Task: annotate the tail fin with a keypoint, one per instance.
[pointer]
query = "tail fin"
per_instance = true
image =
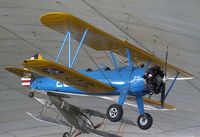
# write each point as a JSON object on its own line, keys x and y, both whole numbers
{"x": 37, "y": 56}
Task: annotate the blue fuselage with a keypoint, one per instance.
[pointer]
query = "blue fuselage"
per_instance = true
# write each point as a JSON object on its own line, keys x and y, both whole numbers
{"x": 119, "y": 79}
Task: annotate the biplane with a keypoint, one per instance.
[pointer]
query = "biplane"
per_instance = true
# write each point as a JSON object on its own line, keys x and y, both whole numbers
{"x": 143, "y": 74}
{"x": 78, "y": 120}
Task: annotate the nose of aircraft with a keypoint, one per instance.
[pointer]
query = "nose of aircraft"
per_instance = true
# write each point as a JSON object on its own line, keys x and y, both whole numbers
{"x": 137, "y": 84}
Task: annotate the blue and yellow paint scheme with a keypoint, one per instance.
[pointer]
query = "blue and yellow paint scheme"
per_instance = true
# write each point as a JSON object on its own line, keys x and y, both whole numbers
{"x": 50, "y": 76}
{"x": 133, "y": 81}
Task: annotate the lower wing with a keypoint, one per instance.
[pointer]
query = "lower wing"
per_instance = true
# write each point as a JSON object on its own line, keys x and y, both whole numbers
{"x": 67, "y": 76}
{"x": 149, "y": 104}
{"x": 49, "y": 120}
{"x": 85, "y": 111}
{"x": 62, "y": 123}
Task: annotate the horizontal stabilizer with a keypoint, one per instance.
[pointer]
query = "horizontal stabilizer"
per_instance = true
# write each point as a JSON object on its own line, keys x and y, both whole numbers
{"x": 26, "y": 75}
{"x": 21, "y": 72}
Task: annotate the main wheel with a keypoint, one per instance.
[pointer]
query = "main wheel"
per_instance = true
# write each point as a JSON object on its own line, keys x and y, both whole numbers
{"x": 114, "y": 112}
{"x": 31, "y": 94}
{"x": 145, "y": 121}
{"x": 66, "y": 134}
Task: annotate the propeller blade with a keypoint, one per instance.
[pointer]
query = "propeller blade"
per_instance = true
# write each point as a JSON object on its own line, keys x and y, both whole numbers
{"x": 162, "y": 100}
{"x": 166, "y": 58}
{"x": 162, "y": 95}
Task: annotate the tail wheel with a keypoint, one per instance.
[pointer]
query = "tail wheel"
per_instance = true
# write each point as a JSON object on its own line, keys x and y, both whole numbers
{"x": 31, "y": 94}
{"x": 145, "y": 121}
{"x": 114, "y": 112}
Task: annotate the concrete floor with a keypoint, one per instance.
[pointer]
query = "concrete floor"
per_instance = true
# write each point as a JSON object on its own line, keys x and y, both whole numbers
{"x": 152, "y": 25}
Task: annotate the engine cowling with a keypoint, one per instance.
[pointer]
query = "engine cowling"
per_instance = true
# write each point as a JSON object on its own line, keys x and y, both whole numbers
{"x": 154, "y": 80}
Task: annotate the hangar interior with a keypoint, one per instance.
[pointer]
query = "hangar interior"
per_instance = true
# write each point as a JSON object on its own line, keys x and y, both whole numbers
{"x": 151, "y": 25}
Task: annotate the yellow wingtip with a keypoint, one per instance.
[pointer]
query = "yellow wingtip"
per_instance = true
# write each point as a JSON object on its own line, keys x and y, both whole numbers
{"x": 50, "y": 16}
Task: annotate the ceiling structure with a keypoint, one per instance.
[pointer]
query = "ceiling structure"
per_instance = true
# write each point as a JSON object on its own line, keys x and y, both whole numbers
{"x": 152, "y": 25}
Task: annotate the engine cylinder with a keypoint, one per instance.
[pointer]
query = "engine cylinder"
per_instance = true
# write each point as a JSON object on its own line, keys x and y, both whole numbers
{"x": 154, "y": 80}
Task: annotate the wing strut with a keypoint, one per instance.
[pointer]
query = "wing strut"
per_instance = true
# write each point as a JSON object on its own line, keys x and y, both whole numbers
{"x": 129, "y": 59}
{"x": 112, "y": 57}
{"x": 68, "y": 37}
{"x": 79, "y": 47}
{"x": 162, "y": 99}
{"x": 172, "y": 84}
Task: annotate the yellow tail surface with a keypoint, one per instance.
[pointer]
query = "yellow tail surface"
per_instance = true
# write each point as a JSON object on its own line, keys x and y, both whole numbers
{"x": 37, "y": 56}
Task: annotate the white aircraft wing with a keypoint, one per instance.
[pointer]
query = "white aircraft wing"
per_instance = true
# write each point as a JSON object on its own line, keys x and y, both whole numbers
{"x": 49, "y": 120}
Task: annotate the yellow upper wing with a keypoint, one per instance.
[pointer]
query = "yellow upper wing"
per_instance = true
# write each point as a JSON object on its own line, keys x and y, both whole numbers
{"x": 100, "y": 40}
{"x": 68, "y": 76}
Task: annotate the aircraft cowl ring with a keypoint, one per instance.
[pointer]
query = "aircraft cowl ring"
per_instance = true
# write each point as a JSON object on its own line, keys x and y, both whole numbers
{"x": 154, "y": 80}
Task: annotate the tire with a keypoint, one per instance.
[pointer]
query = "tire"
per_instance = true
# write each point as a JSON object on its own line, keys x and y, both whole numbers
{"x": 114, "y": 112}
{"x": 66, "y": 134}
{"x": 31, "y": 94}
{"x": 145, "y": 121}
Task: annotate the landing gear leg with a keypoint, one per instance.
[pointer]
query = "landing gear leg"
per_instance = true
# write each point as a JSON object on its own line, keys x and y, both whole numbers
{"x": 144, "y": 120}
{"x": 115, "y": 111}
{"x": 31, "y": 94}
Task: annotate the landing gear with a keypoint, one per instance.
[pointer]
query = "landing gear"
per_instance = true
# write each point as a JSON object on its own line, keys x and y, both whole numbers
{"x": 66, "y": 134}
{"x": 114, "y": 112}
{"x": 145, "y": 121}
{"x": 31, "y": 94}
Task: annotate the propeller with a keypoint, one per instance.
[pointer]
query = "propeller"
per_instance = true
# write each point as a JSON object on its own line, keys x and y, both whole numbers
{"x": 162, "y": 99}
